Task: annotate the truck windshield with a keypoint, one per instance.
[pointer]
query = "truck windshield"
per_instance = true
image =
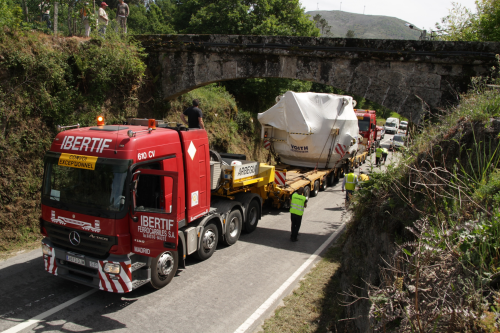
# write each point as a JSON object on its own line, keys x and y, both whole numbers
{"x": 98, "y": 190}
{"x": 364, "y": 124}
{"x": 390, "y": 124}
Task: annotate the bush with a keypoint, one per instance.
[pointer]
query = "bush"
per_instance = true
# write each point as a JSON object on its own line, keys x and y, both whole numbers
{"x": 44, "y": 83}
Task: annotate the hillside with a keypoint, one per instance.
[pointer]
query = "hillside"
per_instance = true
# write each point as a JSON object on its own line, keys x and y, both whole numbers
{"x": 366, "y": 26}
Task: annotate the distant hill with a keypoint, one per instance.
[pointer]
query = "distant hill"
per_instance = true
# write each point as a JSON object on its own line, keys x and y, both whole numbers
{"x": 366, "y": 26}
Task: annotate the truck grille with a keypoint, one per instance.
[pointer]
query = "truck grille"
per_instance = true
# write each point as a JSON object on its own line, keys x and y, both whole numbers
{"x": 97, "y": 248}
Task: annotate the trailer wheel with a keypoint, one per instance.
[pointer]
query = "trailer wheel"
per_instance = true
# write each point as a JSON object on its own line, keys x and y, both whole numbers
{"x": 316, "y": 188}
{"x": 233, "y": 227}
{"x": 324, "y": 185}
{"x": 252, "y": 216}
{"x": 209, "y": 240}
{"x": 163, "y": 269}
{"x": 307, "y": 191}
{"x": 330, "y": 179}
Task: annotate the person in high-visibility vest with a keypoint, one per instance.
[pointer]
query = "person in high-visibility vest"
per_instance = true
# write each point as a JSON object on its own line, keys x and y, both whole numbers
{"x": 350, "y": 182}
{"x": 378, "y": 156}
{"x": 363, "y": 177}
{"x": 297, "y": 205}
{"x": 385, "y": 152}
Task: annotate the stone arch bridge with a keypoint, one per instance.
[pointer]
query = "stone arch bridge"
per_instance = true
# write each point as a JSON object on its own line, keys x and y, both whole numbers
{"x": 408, "y": 77}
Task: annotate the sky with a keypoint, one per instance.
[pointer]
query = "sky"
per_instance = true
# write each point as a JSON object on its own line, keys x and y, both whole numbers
{"x": 422, "y": 13}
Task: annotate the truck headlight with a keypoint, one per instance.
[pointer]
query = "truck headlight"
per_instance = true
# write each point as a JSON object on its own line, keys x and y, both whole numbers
{"x": 112, "y": 268}
{"x": 46, "y": 250}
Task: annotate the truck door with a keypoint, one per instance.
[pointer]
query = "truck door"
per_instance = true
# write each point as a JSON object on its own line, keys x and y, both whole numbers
{"x": 153, "y": 222}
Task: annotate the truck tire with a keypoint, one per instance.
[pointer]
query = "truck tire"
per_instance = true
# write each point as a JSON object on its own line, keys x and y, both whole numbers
{"x": 252, "y": 216}
{"x": 316, "y": 188}
{"x": 209, "y": 240}
{"x": 307, "y": 191}
{"x": 234, "y": 223}
{"x": 163, "y": 269}
{"x": 324, "y": 185}
{"x": 331, "y": 178}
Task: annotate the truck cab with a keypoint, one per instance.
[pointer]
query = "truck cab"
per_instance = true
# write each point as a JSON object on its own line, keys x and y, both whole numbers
{"x": 367, "y": 122}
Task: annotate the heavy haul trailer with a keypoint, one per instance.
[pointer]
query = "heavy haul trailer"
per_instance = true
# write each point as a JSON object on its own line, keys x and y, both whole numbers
{"x": 314, "y": 137}
{"x": 123, "y": 205}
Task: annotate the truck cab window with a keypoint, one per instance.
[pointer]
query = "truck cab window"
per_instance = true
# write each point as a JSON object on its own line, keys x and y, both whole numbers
{"x": 150, "y": 195}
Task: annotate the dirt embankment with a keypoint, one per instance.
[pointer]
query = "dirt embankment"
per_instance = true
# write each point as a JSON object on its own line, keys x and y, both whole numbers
{"x": 422, "y": 191}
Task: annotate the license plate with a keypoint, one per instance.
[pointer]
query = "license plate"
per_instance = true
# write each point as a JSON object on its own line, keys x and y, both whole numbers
{"x": 75, "y": 260}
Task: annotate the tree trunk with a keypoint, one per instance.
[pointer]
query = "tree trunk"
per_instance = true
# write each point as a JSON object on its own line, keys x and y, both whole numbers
{"x": 25, "y": 10}
{"x": 56, "y": 17}
{"x": 70, "y": 30}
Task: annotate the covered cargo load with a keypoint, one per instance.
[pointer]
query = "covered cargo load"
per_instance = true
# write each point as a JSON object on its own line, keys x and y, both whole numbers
{"x": 311, "y": 129}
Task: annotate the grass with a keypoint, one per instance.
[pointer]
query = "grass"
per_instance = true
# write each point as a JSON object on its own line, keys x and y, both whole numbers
{"x": 313, "y": 306}
{"x": 441, "y": 207}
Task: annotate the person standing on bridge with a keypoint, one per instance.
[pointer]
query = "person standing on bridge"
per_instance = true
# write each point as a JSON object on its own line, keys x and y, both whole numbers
{"x": 103, "y": 19}
{"x": 350, "y": 182}
{"x": 121, "y": 16}
{"x": 195, "y": 116}
{"x": 297, "y": 205}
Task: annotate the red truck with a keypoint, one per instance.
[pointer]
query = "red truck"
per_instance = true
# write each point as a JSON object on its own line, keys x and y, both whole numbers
{"x": 123, "y": 205}
{"x": 367, "y": 122}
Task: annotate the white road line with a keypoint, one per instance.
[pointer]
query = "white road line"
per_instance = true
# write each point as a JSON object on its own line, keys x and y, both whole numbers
{"x": 47, "y": 313}
{"x": 279, "y": 293}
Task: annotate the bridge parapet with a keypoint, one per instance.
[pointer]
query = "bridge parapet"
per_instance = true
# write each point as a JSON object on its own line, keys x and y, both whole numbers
{"x": 405, "y": 76}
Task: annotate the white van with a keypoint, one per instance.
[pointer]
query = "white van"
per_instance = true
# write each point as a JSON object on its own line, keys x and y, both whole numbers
{"x": 392, "y": 125}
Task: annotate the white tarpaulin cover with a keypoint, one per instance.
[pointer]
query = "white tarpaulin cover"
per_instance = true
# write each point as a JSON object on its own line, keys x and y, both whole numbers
{"x": 302, "y": 124}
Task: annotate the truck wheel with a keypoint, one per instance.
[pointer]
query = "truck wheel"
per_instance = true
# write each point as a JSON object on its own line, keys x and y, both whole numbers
{"x": 307, "y": 191}
{"x": 316, "y": 189}
{"x": 252, "y": 216}
{"x": 324, "y": 185}
{"x": 233, "y": 227}
{"x": 331, "y": 178}
{"x": 209, "y": 241}
{"x": 163, "y": 269}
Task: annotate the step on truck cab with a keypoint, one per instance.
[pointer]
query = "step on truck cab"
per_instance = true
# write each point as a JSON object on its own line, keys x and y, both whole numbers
{"x": 123, "y": 205}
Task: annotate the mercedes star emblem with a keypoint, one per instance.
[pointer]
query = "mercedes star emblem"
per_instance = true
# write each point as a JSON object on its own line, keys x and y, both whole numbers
{"x": 74, "y": 238}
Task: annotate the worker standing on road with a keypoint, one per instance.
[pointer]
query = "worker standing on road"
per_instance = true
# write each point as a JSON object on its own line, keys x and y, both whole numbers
{"x": 297, "y": 205}
{"x": 350, "y": 182}
{"x": 385, "y": 152}
{"x": 378, "y": 156}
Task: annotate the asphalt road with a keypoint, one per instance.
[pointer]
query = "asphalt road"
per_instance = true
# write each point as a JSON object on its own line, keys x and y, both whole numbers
{"x": 234, "y": 291}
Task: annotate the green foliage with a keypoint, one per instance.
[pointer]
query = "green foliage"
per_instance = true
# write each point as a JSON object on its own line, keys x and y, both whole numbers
{"x": 156, "y": 19}
{"x": 10, "y": 14}
{"x": 44, "y": 84}
{"x": 323, "y": 25}
{"x": 350, "y": 34}
{"x": 465, "y": 25}
{"x": 259, "y": 17}
{"x": 442, "y": 203}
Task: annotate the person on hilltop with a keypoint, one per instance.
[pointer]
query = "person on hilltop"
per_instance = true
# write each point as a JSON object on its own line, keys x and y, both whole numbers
{"x": 350, "y": 182}
{"x": 84, "y": 13}
{"x": 297, "y": 205}
{"x": 45, "y": 8}
{"x": 195, "y": 116}
{"x": 122, "y": 13}
{"x": 103, "y": 19}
